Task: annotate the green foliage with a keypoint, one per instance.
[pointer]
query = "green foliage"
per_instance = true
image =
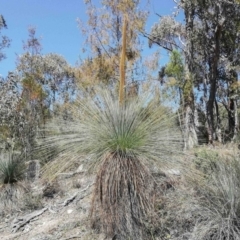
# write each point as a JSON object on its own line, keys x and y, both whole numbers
{"x": 139, "y": 129}
{"x": 179, "y": 82}
{"x": 175, "y": 67}
{"x": 4, "y": 40}
{"x": 12, "y": 168}
{"x": 206, "y": 160}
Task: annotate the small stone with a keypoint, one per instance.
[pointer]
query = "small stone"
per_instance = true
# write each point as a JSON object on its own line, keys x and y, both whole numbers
{"x": 174, "y": 172}
{"x": 27, "y": 228}
{"x": 69, "y": 211}
{"x": 80, "y": 169}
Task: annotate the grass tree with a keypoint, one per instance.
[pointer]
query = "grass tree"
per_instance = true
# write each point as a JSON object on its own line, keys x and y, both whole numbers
{"x": 12, "y": 168}
{"x": 122, "y": 140}
{"x": 122, "y": 137}
{"x": 12, "y": 172}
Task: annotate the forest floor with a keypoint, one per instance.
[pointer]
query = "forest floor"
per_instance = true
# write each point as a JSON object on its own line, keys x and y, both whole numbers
{"x": 63, "y": 216}
{"x": 62, "y": 210}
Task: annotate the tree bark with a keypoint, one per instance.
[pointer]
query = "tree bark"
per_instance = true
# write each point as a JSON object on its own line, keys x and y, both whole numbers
{"x": 213, "y": 84}
{"x": 191, "y": 138}
{"x": 232, "y": 108}
{"x": 218, "y": 126}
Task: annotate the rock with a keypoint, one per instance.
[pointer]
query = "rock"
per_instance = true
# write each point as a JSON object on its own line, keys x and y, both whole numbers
{"x": 80, "y": 169}
{"x": 69, "y": 211}
{"x": 174, "y": 172}
{"x": 27, "y": 228}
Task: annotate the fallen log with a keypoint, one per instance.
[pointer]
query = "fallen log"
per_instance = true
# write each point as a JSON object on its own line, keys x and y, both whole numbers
{"x": 69, "y": 200}
{"x": 21, "y": 221}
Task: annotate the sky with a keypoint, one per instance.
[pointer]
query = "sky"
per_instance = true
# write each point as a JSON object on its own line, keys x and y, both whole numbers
{"x": 56, "y": 23}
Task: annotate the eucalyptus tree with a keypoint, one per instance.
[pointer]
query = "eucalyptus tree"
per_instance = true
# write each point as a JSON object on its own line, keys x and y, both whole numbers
{"x": 209, "y": 40}
{"x": 29, "y": 71}
{"x": 12, "y": 120}
{"x": 171, "y": 35}
{"x": 212, "y": 40}
{"x": 175, "y": 69}
{"x": 58, "y": 78}
{"x": 4, "y": 40}
{"x": 45, "y": 81}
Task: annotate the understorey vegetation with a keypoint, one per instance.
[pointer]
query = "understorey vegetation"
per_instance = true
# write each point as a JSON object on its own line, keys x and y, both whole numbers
{"x": 159, "y": 140}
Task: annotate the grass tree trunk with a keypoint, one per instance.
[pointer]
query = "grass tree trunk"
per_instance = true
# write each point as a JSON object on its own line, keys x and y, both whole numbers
{"x": 122, "y": 61}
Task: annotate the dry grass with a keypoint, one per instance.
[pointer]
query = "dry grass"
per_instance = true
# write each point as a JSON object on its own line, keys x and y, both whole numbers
{"x": 204, "y": 205}
{"x": 12, "y": 197}
{"x": 219, "y": 203}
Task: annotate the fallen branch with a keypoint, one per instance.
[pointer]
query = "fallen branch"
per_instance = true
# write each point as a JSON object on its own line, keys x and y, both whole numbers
{"x": 21, "y": 221}
{"x": 67, "y": 201}
{"x": 77, "y": 236}
{"x": 51, "y": 210}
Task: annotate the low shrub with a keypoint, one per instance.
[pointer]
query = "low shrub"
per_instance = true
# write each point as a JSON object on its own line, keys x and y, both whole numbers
{"x": 219, "y": 203}
{"x": 12, "y": 174}
{"x": 205, "y": 205}
{"x": 205, "y": 160}
{"x": 32, "y": 202}
{"x": 12, "y": 167}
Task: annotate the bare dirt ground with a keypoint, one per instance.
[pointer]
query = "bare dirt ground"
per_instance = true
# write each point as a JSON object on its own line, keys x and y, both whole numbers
{"x": 65, "y": 215}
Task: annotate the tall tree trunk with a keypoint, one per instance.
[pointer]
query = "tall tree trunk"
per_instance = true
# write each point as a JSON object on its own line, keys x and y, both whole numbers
{"x": 191, "y": 138}
{"x": 210, "y": 108}
{"x": 232, "y": 108}
{"x": 190, "y": 125}
{"x": 213, "y": 84}
{"x": 218, "y": 126}
{"x": 236, "y": 127}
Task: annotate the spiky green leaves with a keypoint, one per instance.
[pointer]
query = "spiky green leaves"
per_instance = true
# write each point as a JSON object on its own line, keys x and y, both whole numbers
{"x": 12, "y": 168}
{"x": 139, "y": 128}
{"x": 118, "y": 138}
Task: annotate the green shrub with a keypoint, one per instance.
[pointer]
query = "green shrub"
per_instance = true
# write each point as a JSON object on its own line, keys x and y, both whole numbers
{"x": 12, "y": 167}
